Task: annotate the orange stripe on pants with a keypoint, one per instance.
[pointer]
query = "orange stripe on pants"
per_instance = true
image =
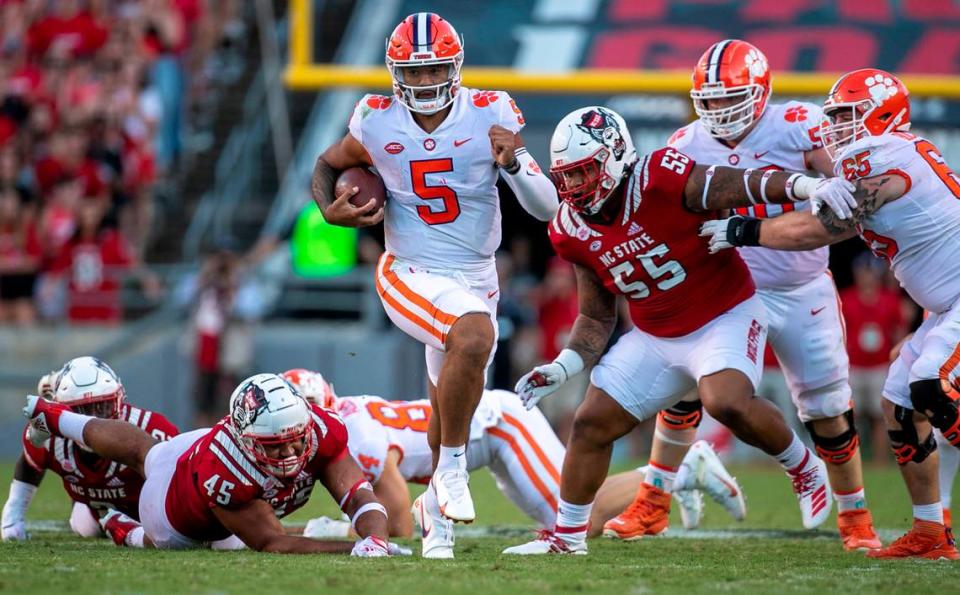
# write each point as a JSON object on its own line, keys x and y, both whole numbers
{"x": 414, "y": 297}
{"x": 403, "y": 310}
{"x": 952, "y": 362}
{"x": 544, "y": 460}
{"x": 525, "y": 464}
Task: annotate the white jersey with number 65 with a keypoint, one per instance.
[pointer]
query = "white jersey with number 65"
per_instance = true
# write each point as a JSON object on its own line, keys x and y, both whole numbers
{"x": 443, "y": 209}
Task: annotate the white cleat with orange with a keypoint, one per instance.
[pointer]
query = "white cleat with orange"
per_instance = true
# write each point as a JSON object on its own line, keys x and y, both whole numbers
{"x": 435, "y": 529}
{"x": 453, "y": 495}
{"x": 707, "y": 473}
{"x": 812, "y": 487}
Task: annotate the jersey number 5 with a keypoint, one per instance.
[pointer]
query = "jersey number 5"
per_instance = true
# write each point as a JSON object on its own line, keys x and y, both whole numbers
{"x": 637, "y": 290}
{"x": 451, "y": 203}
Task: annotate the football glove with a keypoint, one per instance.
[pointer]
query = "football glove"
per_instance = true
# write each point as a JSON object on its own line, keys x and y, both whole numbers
{"x": 546, "y": 379}
{"x": 731, "y": 232}
{"x": 371, "y": 547}
{"x": 836, "y": 194}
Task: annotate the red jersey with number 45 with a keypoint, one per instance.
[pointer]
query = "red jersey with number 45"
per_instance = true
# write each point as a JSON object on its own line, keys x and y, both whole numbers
{"x": 92, "y": 480}
{"x": 216, "y": 471}
{"x": 651, "y": 253}
{"x": 918, "y": 233}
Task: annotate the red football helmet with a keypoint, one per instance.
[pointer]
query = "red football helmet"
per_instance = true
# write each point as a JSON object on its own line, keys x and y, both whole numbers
{"x": 731, "y": 69}
{"x": 425, "y": 39}
{"x": 865, "y": 102}
{"x": 312, "y": 386}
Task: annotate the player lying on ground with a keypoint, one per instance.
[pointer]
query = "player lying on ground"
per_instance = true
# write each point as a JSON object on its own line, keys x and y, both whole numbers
{"x": 908, "y": 212}
{"x": 388, "y": 440}
{"x": 440, "y": 149}
{"x": 629, "y": 226}
{"x": 240, "y": 477}
{"x": 105, "y": 494}
{"x": 736, "y": 125}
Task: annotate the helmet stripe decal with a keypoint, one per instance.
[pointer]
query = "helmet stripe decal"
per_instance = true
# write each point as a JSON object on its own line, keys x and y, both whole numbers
{"x": 716, "y": 57}
{"x": 422, "y": 31}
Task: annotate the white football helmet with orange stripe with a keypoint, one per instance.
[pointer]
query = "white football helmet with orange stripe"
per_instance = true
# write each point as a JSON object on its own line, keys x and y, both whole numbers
{"x": 737, "y": 73}
{"x": 312, "y": 385}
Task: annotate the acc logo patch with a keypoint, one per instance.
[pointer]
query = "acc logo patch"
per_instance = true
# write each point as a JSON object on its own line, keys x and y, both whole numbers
{"x": 393, "y": 148}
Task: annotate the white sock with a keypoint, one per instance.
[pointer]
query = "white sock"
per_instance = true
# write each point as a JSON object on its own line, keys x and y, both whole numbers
{"x": 792, "y": 458}
{"x": 72, "y": 424}
{"x": 949, "y": 463}
{"x": 452, "y": 458}
{"x": 855, "y": 500}
{"x": 134, "y": 538}
{"x": 929, "y": 512}
{"x": 660, "y": 476}
{"x": 572, "y": 520}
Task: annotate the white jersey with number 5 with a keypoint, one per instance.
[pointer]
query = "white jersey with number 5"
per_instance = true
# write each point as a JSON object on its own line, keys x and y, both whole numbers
{"x": 778, "y": 141}
{"x": 918, "y": 233}
{"x": 443, "y": 209}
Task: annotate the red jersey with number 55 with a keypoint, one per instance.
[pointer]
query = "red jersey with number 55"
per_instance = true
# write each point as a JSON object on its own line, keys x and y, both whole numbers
{"x": 918, "y": 233}
{"x": 92, "y": 480}
{"x": 443, "y": 208}
{"x": 216, "y": 471}
{"x": 651, "y": 253}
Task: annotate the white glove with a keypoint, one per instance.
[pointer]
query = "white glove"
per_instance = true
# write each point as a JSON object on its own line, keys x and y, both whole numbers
{"x": 13, "y": 526}
{"x": 36, "y": 436}
{"x": 46, "y": 384}
{"x": 370, "y": 547}
{"x": 326, "y": 528}
{"x": 836, "y": 194}
{"x": 546, "y": 379}
{"x": 716, "y": 230}
{"x": 396, "y": 549}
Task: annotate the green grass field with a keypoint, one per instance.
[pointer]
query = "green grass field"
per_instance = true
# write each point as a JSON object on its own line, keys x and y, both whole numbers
{"x": 766, "y": 553}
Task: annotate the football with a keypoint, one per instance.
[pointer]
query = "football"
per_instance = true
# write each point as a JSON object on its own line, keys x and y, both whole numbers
{"x": 369, "y": 183}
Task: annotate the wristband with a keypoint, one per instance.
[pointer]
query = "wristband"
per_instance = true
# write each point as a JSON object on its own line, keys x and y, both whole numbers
{"x": 369, "y": 506}
{"x": 706, "y": 186}
{"x": 513, "y": 167}
{"x": 744, "y": 231}
{"x": 763, "y": 185}
{"x": 746, "y": 185}
{"x": 363, "y": 484}
{"x": 788, "y": 188}
{"x": 803, "y": 187}
{"x": 570, "y": 361}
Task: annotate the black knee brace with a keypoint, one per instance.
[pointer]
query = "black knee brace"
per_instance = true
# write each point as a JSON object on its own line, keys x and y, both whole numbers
{"x": 683, "y": 415}
{"x": 905, "y": 442}
{"x": 929, "y": 399}
{"x": 836, "y": 449}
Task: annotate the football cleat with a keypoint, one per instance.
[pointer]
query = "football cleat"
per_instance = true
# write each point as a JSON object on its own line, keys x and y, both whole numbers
{"x": 453, "y": 495}
{"x": 812, "y": 487}
{"x": 946, "y": 518}
{"x": 707, "y": 473}
{"x": 648, "y": 514}
{"x": 856, "y": 530}
{"x": 547, "y": 542}
{"x": 691, "y": 507}
{"x": 118, "y": 525}
{"x": 435, "y": 529}
{"x": 925, "y": 539}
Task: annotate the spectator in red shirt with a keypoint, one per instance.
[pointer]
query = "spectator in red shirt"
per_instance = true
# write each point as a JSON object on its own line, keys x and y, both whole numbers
{"x": 875, "y": 323}
{"x": 94, "y": 262}
{"x": 20, "y": 254}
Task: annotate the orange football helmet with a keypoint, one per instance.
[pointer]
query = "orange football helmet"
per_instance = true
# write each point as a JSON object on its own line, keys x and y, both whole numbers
{"x": 865, "y": 102}
{"x": 736, "y": 70}
{"x": 312, "y": 386}
{"x": 425, "y": 39}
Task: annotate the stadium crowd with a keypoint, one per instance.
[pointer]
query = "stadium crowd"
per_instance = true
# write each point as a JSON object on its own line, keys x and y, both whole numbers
{"x": 93, "y": 105}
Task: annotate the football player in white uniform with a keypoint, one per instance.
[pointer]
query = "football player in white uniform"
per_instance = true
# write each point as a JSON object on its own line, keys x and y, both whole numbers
{"x": 388, "y": 439}
{"x": 437, "y": 279}
{"x": 738, "y": 127}
{"x": 908, "y": 212}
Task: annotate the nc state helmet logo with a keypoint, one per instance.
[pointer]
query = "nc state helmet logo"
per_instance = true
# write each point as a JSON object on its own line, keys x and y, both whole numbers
{"x": 249, "y": 405}
{"x": 602, "y": 126}
{"x": 880, "y": 88}
{"x": 756, "y": 63}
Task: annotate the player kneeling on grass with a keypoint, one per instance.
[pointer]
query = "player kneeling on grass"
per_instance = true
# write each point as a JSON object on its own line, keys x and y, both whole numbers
{"x": 388, "y": 439}
{"x": 105, "y": 494}
{"x": 907, "y": 211}
{"x": 629, "y": 227}
{"x": 255, "y": 466}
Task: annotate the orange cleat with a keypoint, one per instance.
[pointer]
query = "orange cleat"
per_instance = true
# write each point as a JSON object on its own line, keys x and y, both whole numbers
{"x": 856, "y": 530}
{"x": 925, "y": 540}
{"x": 648, "y": 514}
{"x": 946, "y": 518}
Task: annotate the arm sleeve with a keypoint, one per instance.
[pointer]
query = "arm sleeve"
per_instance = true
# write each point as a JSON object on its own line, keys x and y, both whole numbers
{"x": 534, "y": 191}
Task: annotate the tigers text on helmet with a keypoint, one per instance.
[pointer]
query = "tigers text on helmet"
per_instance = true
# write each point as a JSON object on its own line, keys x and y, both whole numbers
{"x": 273, "y": 423}
{"x": 425, "y": 39}
{"x": 87, "y": 385}
{"x": 737, "y": 73}
{"x": 312, "y": 385}
{"x": 590, "y": 153}
{"x": 865, "y": 102}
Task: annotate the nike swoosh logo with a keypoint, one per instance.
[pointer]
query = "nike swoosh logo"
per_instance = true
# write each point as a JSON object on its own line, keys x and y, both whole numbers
{"x": 490, "y": 294}
{"x": 817, "y": 311}
{"x": 759, "y": 155}
{"x": 457, "y": 143}
{"x": 733, "y": 490}
{"x": 459, "y": 455}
